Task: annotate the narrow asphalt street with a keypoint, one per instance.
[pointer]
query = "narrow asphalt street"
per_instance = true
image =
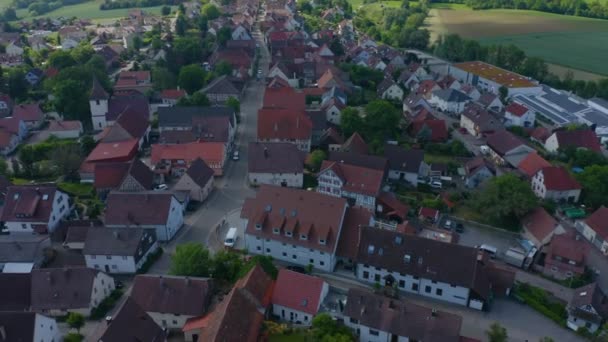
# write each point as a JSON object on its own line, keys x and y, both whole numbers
{"x": 232, "y": 189}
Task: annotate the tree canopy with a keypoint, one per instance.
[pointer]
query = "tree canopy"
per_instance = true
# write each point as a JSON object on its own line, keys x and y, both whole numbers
{"x": 191, "y": 259}
{"x": 326, "y": 329}
{"x": 497, "y": 333}
{"x": 191, "y": 78}
{"x": 594, "y": 180}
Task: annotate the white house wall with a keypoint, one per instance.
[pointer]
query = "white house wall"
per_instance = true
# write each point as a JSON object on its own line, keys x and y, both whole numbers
{"x": 45, "y": 329}
{"x": 291, "y": 315}
{"x": 169, "y": 320}
{"x": 294, "y": 180}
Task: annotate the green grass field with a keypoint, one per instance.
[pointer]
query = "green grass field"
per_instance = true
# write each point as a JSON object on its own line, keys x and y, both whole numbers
{"x": 573, "y": 42}
{"x": 85, "y": 10}
{"x": 4, "y": 3}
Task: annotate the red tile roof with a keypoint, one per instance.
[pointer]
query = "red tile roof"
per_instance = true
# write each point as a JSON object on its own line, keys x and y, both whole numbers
{"x": 285, "y": 98}
{"x": 70, "y": 125}
{"x": 558, "y": 179}
{"x": 428, "y": 212}
{"x": 174, "y": 94}
{"x": 28, "y": 112}
{"x": 10, "y": 124}
{"x": 516, "y": 109}
{"x": 539, "y": 223}
{"x": 138, "y": 76}
{"x": 138, "y": 208}
{"x": 213, "y": 153}
{"x": 598, "y": 221}
{"x": 355, "y": 218}
{"x": 540, "y": 134}
{"x": 567, "y": 247}
{"x": 283, "y": 124}
{"x": 297, "y": 211}
{"x": 439, "y": 130}
{"x": 113, "y": 151}
{"x": 532, "y": 163}
{"x": 355, "y": 144}
{"x": 298, "y": 291}
{"x": 356, "y": 179}
{"x": 503, "y": 141}
{"x": 579, "y": 138}
{"x": 426, "y": 87}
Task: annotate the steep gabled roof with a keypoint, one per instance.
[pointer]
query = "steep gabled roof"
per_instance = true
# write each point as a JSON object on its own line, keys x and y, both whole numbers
{"x": 558, "y": 179}
{"x": 132, "y": 323}
{"x": 298, "y": 291}
{"x": 355, "y": 144}
{"x": 200, "y": 172}
{"x": 171, "y": 294}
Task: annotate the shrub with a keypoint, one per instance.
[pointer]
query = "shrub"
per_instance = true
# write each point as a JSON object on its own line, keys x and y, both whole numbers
{"x": 106, "y": 305}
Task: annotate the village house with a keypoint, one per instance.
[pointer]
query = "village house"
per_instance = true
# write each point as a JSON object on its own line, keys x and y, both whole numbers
{"x": 405, "y": 165}
{"x": 34, "y": 208}
{"x": 477, "y": 171}
{"x": 151, "y": 209}
{"x": 197, "y": 181}
{"x": 71, "y": 36}
{"x": 105, "y": 110}
{"x": 22, "y": 252}
{"x": 580, "y": 138}
{"x": 28, "y": 327}
{"x": 131, "y": 176}
{"x": 175, "y": 160}
{"x": 540, "y": 227}
{"x": 280, "y": 164}
{"x": 30, "y": 114}
{"x": 506, "y": 148}
{"x": 69, "y": 129}
{"x": 140, "y": 81}
{"x": 220, "y": 90}
{"x": 430, "y": 130}
{"x": 587, "y": 309}
{"x": 188, "y": 124}
{"x": 118, "y": 250}
{"x": 418, "y": 265}
{"x": 283, "y": 125}
{"x": 12, "y": 133}
{"x": 490, "y": 78}
{"x": 518, "y": 115}
{"x": 297, "y": 297}
{"x": 449, "y": 100}
{"x": 359, "y": 185}
{"x": 170, "y": 97}
{"x": 132, "y": 323}
{"x": 478, "y": 121}
{"x": 531, "y": 164}
{"x": 555, "y": 183}
{"x": 296, "y": 226}
{"x": 239, "y": 316}
{"x": 595, "y": 230}
{"x": 490, "y": 101}
{"x": 565, "y": 257}
{"x": 389, "y": 90}
{"x": 58, "y": 291}
{"x": 376, "y": 318}
{"x": 107, "y": 152}
{"x": 169, "y": 300}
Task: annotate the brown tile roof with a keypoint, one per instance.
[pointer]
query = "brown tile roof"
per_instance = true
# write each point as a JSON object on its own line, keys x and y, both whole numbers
{"x": 402, "y": 318}
{"x": 503, "y": 141}
{"x": 301, "y": 212}
{"x": 362, "y": 160}
{"x": 516, "y": 109}
{"x": 132, "y": 103}
{"x": 15, "y": 292}
{"x": 426, "y": 259}
{"x": 532, "y": 163}
{"x": 29, "y": 203}
{"x": 283, "y": 124}
{"x": 355, "y": 179}
{"x": 598, "y": 222}
{"x": 76, "y": 234}
{"x": 62, "y": 288}
{"x": 355, "y": 218}
{"x": 356, "y": 144}
{"x": 134, "y": 242}
{"x": 137, "y": 208}
{"x": 540, "y": 134}
{"x": 200, "y": 172}
{"x": 211, "y": 152}
{"x": 438, "y": 129}
{"x": 402, "y": 159}
{"x": 275, "y": 158}
{"x": 188, "y": 296}
{"x": 132, "y": 323}
{"x": 539, "y": 223}
{"x": 58, "y": 126}
{"x": 174, "y": 94}
{"x": 566, "y": 247}
{"x": 297, "y": 291}
{"x": 112, "y": 175}
{"x": 578, "y": 138}
{"x": 28, "y": 112}
{"x": 239, "y": 316}
{"x": 128, "y": 125}
{"x": 481, "y": 117}
{"x": 392, "y": 206}
{"x": 559, "y": 179}
{"x": 592, "y": 295}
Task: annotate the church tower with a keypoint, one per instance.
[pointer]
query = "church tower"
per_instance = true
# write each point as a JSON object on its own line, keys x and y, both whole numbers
{"x": 98, "y": 103}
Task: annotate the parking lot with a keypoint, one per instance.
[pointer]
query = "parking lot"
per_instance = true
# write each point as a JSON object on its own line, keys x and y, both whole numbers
{"x": 475, "y": 235}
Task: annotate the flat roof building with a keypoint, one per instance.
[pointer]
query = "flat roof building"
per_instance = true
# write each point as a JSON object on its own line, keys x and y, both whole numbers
{"x": 490, "y": 78}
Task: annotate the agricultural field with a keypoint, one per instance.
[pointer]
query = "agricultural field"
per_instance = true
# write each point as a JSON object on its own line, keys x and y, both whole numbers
{"x": 86, "y": 10}
{"x": 550, "y": 36}
{"x": 4, "y": 3}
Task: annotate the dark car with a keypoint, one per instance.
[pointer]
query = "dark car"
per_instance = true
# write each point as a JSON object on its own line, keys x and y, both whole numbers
{"x": 119, "y": 284}
{"x": 298, "y": 269}
{"x": 459, "y": 228}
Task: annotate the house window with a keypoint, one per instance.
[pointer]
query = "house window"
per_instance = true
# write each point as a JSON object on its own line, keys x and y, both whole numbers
{"x": 439, "y": 292}
{"x": 284, "y": 254}
{"x": 294, "y": 257}
{"x": 376, "y": 277}
{"x": 259, "y": 248}
{"x": 258, "y": 226}
{"x": 24, "y": 226}
{"x": 275, "y": 230}
{"x": 365, "y": 275}
{"x": 114, "y": 266}
{"x": 312, "y": 261}
{"x": 303, "y": 237}
{"x": 402, "y": 284}
{"x": 427, "y": 289}
{"x": 355, "y": 321}
{"x": 288, "y": 234}
{"x": 374, "y": 332}
{"x": 321, "y": 241}
{"x": 414, "y": 287}
{"x": 109, "y": 257}
{"x": 267, "y": 250}
{"x": 322, "y": 263}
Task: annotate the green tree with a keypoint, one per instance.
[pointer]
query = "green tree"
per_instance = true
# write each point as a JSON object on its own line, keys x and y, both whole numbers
{"x": 546, "y": 339}
{"x": 67, "y": 160}
{"x": 503, "y": 92}
{"x": 163, "y": 78}
{"x": 17, "y": 84}
{"x": 191, "y": 259}
{"x": 223, "y": 35}
{"x": 187, "y": 50}
{"x": 233, "y": 103}
{"x": 61, "y": 59}
{"x": 381, "y": 120}
{"x": 594, "y": 180}
{"x": 197, "y": 99}
{"x": 326, "y": 329}
{"x": 165, "y": 10}
{"x": 181, "y": 25}
{"x": 264, "y": 261}
{"x": 72, "y": 337}
{"x": 226, "y": 266}
{"x": 87, "y": 144}
{"x": 191, "y": 78}
{"x": 350, "y": 121}
{"x": 505, "y": 199}
{"x": 210, "y": 12}
{"x": 75, "y": 321}
{"x": 223, "y": 68}
{"x": 316, "y": 159}
{"x": 82, "y": 53}
{"x": 497, "y": 333}
{"x": 3, "y": 167}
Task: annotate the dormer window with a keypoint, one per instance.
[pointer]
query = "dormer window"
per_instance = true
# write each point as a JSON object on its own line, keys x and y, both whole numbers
{"x": 258, "y": 226}
{"x": 288, "y": 234}
{"x": 275, "y": 230}
{"x": 322, "y": 241}
{"x": 45, "y": 197}
{"x": 303, "y": 237}
{"x": 16, "y": 196}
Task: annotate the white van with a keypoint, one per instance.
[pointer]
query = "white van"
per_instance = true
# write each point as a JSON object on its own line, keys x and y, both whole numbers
{"x": 231, "y": 237}
{"x": 491, "y": 250}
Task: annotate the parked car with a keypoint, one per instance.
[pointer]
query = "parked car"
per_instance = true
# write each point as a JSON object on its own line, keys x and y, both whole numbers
{"x": 448, "y": 225}
{"x": 235, "y": 155}
{"x": 161, "y": 187}
{"x": 459, "y": 228}
{"x": 231, "y": 237}
{"x": 436, "y": 185}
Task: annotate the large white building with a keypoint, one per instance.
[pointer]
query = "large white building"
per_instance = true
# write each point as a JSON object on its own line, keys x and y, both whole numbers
{"x": 34, "y": 208}
{"x": 297, "y": 226}
{"x": 490, "y": 78}
{"x": 427, "y": 267}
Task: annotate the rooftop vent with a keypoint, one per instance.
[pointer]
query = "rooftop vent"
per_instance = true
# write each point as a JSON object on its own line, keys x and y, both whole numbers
{"x": 407, "y": 258}
{"x": 371, "y": 249}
